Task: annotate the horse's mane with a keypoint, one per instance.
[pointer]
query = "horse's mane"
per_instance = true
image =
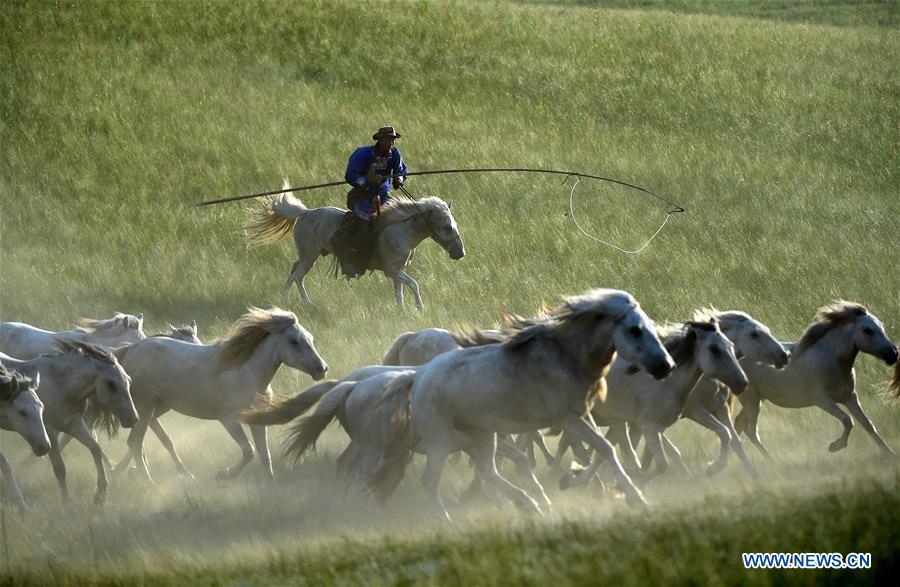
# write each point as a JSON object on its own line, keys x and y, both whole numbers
{"x": 894, "y": 385}
{"x": 727, "y": 318}
{"x": 12, "y": 383}
{"x": 680, "y": 340}
{"x": 249, "y": 331}
{"x": 65, "y": 346}
{"x": 828, "y": 317}
{"x": 400, "y": 208}
{"x": 118, "y": 321}
{"x": 594, "y": 305}
{"x": 469, "y": 337}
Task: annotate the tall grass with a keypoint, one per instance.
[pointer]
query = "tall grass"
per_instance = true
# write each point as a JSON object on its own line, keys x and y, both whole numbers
{"x": 779, "y": 136}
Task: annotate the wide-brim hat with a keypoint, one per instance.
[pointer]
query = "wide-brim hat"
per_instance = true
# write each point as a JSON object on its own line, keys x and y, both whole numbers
{"x": 386, "y": 131}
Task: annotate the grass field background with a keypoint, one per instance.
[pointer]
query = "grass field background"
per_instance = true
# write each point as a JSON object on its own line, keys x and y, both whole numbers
{"x": 773, "y": 123}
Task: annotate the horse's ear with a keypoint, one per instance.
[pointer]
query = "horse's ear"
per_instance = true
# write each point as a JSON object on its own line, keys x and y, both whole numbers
{"x": 194, "y": 326}
{"x": 450, "y": 204}
{"x": 140, "y": 318}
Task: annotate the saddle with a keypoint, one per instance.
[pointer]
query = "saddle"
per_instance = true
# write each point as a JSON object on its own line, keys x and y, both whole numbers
{"x": 352, "y": 243}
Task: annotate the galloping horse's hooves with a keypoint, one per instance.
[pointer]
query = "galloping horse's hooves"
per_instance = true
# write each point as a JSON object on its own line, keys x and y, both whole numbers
{"x": 99, "y": 498}
{"x": 635, "y": 500}
{"x": 837, "y": 445}
{"x": 715, "y": 468}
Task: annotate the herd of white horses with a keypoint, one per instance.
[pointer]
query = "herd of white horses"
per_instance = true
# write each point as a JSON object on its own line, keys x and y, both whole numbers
{"x": 593, "y": 370}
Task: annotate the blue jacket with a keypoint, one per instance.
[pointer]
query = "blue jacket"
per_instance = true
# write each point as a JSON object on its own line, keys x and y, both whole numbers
{"x": 365, "y": 159}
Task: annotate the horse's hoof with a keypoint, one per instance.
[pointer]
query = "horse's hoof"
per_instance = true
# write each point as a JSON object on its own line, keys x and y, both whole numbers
{"x": 635, "y": 499}
{"x": 715, "y": 468}
{"x": 225, "y": 475}
{"x": 837, "y": 445}
{"x": 99, "y": 498}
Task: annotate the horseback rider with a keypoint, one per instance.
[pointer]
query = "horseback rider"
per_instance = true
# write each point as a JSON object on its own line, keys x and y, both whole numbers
{"x": 369, "y": 171}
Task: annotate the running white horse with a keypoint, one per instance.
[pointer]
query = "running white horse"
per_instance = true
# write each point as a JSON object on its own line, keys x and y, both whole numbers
{"x": 820, "y": 372}
{"x": 216, "y": 381}
{"x": 24, "y": 341}
{"x": 545, "y": 375}
{"x": 79, "y": 372}
{"x": 21, "y": 411}
{"x": 417, "y": 348}
{"x": 708, "y": 402}
{"x": 635, "y": 399}
{"x": 402, "y": 225}
{"x": 186, "y": 333}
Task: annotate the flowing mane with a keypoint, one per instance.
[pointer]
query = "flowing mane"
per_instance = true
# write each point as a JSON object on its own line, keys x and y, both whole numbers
{"x": 118, "y": 323}
{"x": 400, "y": 208}
{"x": 12, "y": 383}
{"x": 727, "y": 318}
{"x": 469, "y": 337}
{"x": 593, "y": 305}
{"x": 65, "y": 346}
{"x": 249, "y": 331}
{"x": 828, "y": 317}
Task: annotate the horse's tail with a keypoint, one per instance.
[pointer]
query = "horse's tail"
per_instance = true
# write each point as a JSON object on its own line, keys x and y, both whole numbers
{"x": 273, "y": 218}
{"x": 282, "y": 411}
{"x": 304, "y": 433}
{"x": 894, "y": 385}
{"x": 392, "y": 357}
{"x": 399, "y": 437}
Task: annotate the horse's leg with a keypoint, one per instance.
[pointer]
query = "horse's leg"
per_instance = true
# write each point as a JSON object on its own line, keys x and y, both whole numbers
{"x": 8, "y": 476}
{"x": 59, "y": 467}
{"x": 298, "y": 273}
{"x": 581, "y": 430}
{"x": 832, "y": 408}
{"x": 525, "y": 467}
{"x": 705, "y": 419}
{"x": 855, "y": 409}
{"x": 136, "y": 445}
{"x": 261, "y": 440}
{"x": 538, "y": 439}
{"x": 82, "y": 434}
{"x": 436, "y": 437}
{"x": 748, "y": 419}
{"x": 166, "y": 441}
{"x": 723, "y": 415}
{"x": 619, "y": 434}
{"x": 653, "y": 437}
{"x": 485, "y": 447}
{"x": 410, "y": 282}
{"x": 398, "y": 291}
{"x": 672, "y": 451}
{"x": 233, "y": 426}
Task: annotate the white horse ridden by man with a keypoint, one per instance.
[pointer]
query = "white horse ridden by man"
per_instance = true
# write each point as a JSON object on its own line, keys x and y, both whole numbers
{"x": 21, "y": 411}
{"x": 70, "y": 377}
{"x": 402, "y": 224}
{"x": 216, "y": 381}
{"x": 820, "y": 372}
{"x": 634, "y": 400}
{"x": 545, "y": 375}
{"x": 24, "y": 341}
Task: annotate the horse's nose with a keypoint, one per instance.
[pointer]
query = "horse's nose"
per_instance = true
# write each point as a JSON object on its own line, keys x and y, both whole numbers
{"x": 130, "y": 420}
{"x": 662, "y": 369}
{"x": 458, "y": 254}
{"x": 41, "y": 448}
{"x": 783, "y": 359}
{"x": 739, "y": 385}
{"x": 891, "y": 356}
{"x": 319, "y": 374}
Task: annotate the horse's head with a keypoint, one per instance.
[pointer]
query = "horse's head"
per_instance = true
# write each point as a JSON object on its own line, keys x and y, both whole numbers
{"x": 296, "y": 349}
{"x": 21, "y": 410}
{"x": 636, "y": 341}
{"x": 869, "y": 337}
{"x": 751, "y": 339}
{"x": 444, "y": 230}
{"x": 714, "y": 353}
{"x": 113, "y": 390}
{"x": 186, "y": 333}
{"x": 132, "y": 328}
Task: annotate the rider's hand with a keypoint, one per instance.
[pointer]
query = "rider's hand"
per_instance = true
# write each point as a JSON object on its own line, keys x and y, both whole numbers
{"x": 398, "y": 182}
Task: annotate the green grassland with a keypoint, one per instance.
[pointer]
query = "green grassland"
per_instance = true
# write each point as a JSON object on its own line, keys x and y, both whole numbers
{"x": 778, "y": 133}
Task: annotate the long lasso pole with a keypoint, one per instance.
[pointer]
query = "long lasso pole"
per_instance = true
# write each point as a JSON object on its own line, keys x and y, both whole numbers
{"x": 673, "y": 207}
